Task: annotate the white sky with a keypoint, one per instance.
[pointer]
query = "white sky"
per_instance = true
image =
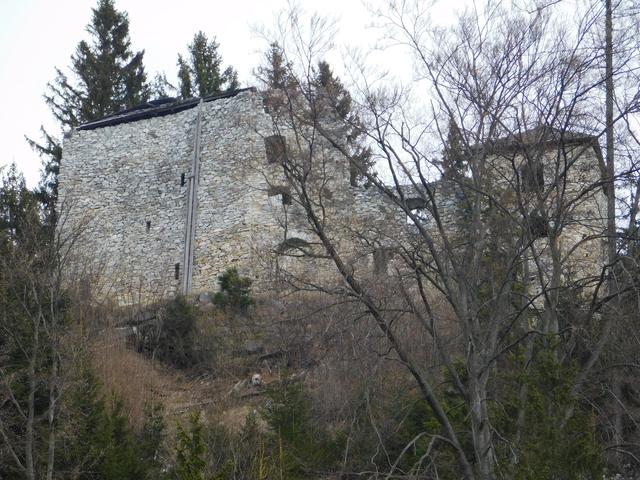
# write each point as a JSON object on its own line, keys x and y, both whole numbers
{"x": 38, "y": 35}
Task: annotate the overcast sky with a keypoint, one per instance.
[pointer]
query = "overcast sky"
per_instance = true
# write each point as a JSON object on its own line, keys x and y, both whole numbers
{"x": 38, "y": 35}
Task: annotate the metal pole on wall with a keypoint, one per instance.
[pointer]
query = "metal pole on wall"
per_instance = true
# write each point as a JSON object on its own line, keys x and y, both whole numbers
{"x": 192, "y": 203}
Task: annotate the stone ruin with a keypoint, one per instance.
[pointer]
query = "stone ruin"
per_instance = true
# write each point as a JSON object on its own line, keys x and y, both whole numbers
{"x": 165, "y": 197}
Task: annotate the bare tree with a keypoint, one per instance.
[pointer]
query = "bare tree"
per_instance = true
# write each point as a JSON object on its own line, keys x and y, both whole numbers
{"x": 515, "y": 234}
{"x": 34, "y": 321}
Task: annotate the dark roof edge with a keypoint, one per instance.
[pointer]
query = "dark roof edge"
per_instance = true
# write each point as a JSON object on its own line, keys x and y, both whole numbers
{"x": 140, "y": 113}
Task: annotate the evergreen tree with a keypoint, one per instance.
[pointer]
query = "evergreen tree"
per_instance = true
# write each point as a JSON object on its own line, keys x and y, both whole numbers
{"x": 18, "y": 209}
{"x": 105, "y": 76}
{"x": 100, "y": 443}
{"x": 453, "y": 162}
{"x": 161, "y": 87}
{"x": 191, "y": 450}
{"x": 235, "y": 291}
{"x": 275, "y": 72}
{"x": 151, "y": 439}
{"x": 332, "y": 94}
{"x": 199, "y": 73}
{"x": 184, "y": 78}
{"x": 32, "y": 317}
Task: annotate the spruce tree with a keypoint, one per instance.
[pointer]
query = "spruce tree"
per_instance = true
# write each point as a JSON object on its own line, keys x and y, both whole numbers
{"x": 275, "y": 71}
{"x": 18, "y": 209}
{"x": 453, "y": 161}
{"x": 99, "y": 442}
{"x": 199, "y": 72}
{"x": 105, "y": 76}
{"x": 161, "y": 87}
{"x": 332, "y": 95}
{"x": 191, "y": 450}
{"x": 275, "y": 74}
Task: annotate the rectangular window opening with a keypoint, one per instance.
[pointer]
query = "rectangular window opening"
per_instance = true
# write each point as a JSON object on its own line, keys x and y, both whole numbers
{"x": 183, "y": 179}
{"x": 381, "y": 258}
{"x": 286, "y": 199}
{"x": 177, "y": 271}
{"x": 148, "y": 226}
{"x": 532, "y": 175}
{"x": 276, "y": 149}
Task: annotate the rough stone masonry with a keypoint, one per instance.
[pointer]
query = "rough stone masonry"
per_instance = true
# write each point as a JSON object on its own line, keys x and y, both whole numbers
{"x": 128, "y": 188}
{"x": 164, "y": 197}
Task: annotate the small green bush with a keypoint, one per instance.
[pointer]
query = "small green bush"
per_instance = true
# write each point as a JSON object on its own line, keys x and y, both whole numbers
{"x": 175, "y": 342}
{"x": 151, "y": 440}
{"x": 191, "y": 450}
{"x": 235, "y": 291}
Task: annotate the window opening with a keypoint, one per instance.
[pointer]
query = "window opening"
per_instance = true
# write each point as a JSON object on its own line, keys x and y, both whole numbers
{"x": 297, "y": 245}
{"x": 177, "y": 271}
{"x": 276, "y": 149}
{"x": 284, "y": 192}
{"x": 418, "y": 207}
{"x": 532, "y": 175}
{"x": 183, "y": 179}
{"x": 148, "y": 225}
{"x": 381, "y": 257}
{"x": 538, "y": 225}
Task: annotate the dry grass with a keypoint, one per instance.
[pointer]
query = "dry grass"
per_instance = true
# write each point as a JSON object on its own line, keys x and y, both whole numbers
{"x": 338, "y": 346}
{"x": 137, "y": 380}
{"x": 130, "y": 376}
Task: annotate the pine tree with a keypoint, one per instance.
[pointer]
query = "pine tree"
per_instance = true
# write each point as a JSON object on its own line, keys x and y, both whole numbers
{"x": 332, "y": 94}
{"x": 453, "y": 162}
{"x": 191, "y": 450}
{"x": 151, "y": 439}
{"x": 161, "y": 87}
{"x": 18, "y": 209}
{"x": 199, "y": 73}
{"x": 235, "y": 291}
{"x": 274, "y": 73}
{"x": 105, "y": 76}
{"x": 97, "y": 440}
{"x": 331, "y": 88}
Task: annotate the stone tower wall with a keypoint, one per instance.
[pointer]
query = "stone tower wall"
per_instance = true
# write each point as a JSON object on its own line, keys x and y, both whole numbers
{"x": 124, "y": 190}
{"x": 113, "y": 181}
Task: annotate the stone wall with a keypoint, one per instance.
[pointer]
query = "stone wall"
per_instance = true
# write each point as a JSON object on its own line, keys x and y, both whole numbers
{"x": 124, "y": 193}
{"x": 121, "y": 194}
{"x": 124, "y": 190}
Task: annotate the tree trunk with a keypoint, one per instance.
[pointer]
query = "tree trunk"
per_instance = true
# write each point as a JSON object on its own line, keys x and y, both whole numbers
{"x": 29, "y": 427}
{"x": 611, "y": 198}
{"x": 480, "y": 424}
{"x": 610, "y": 166}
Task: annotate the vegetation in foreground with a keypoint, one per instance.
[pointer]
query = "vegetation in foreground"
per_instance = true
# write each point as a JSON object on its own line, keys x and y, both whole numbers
{"x": 318, "y": 412}
{"x": 343, "y": 385}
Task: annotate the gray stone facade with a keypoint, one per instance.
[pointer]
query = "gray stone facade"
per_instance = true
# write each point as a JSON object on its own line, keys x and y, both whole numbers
{"x": 125, "y": 187}
{"x": 165, "y": 199}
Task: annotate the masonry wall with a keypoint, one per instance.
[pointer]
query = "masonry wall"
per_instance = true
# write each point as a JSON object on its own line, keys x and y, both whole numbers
{"x": 113, "y": 181}
{"x": 122, "y": 190}
{"x": 123, "y": 195}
